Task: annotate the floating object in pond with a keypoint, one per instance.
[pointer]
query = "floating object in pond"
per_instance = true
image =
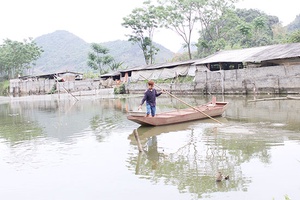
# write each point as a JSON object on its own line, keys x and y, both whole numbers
{"x": 220, "y": 177}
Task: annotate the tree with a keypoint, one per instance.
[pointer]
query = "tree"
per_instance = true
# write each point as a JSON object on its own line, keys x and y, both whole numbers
{"x": 16, "y": 57}
{"x": 115, "y": 65}
{"x": 217, "y": 33}
{"x": 179, "y": 16}
{"x": 224, "y": 27}
{"x": 279, "y": 33}
{"x": 98, "y": 58}
{"x": 182, "y": 16}
{"x": 294, "y": 37}
{"x": 143, "y": 22}
{"x": 262, "y": 26}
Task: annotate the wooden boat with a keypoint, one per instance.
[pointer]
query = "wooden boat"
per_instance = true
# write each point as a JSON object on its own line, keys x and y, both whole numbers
{"x": 293, "y": 97}
{"x": 178, "y": 116}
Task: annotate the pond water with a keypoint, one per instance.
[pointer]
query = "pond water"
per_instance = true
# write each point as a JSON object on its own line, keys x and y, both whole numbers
{"x": 86, "y": 150}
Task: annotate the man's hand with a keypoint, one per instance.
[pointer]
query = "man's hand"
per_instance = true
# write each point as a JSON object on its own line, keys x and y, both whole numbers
{"x": 140, "y": 107}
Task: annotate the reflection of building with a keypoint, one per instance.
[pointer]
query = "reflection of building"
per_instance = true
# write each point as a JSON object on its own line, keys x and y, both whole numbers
{"x": 152, "y": 153}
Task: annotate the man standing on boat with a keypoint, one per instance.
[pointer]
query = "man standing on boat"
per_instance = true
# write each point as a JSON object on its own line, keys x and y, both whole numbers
{"x": 150, "y": 98}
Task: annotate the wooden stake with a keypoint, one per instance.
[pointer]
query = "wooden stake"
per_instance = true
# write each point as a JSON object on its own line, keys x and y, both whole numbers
{"x": 64, "y": 89}
{"x": 136, "y": 135}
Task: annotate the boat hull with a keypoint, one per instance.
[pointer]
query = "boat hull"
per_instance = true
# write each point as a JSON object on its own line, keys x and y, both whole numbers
{"x": 184, "y": 115}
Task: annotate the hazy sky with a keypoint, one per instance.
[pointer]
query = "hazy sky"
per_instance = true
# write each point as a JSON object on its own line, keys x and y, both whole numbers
{"x": 99, "y": 20}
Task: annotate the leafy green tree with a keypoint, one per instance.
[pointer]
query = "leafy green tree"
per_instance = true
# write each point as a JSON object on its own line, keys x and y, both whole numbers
{"x": 245, "y": 30}
{"x": 225, "y": 27}
{"x": 261, "y": 34}
{"x": 262, "y": 27}
{"x": 179, "y": 16}
{"x": 255, "y": 33}
{"x": 218, "y": 33}
{"x": 279, "y": 33}
{"x": 115, "y": 65}
{"x": 143, "y": 22}
{"x": 99, "y": 58}
{"x": 294, "y": 37}
{"x": 16, "y": 57}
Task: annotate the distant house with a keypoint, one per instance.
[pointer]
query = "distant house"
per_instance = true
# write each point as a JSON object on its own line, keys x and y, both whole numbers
{"x": 61, "y": 76}
{"x": 113, "y": 75}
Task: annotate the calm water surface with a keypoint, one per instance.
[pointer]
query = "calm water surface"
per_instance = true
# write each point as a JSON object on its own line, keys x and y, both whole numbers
{"x": 86, "y": 150}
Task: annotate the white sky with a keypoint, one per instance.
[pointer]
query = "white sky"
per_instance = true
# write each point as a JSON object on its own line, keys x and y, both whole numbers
{"x": 100, "y": 20}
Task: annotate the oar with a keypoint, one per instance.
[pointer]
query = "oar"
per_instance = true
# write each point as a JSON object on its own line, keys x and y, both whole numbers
{"x": 185, "y": 102}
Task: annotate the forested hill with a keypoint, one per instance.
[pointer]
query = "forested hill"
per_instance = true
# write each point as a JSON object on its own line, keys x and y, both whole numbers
{"x": 65, "y": 51}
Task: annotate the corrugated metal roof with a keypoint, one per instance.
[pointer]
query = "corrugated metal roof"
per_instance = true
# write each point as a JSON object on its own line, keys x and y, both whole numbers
{"x": 255, "y": 54}
{"x": 161, "y": 65}
{"x": 116, "y": 73}
{"x": 171, "y": 64}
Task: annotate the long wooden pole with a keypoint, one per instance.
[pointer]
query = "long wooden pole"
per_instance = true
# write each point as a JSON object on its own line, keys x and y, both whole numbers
{"x": 136, "y": 135}
{"x": 186, "y": 103}
{"x": 65, "y": 89}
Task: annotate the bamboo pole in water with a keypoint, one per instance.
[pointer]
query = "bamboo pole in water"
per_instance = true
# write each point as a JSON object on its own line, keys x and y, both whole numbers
{"x": 64, "y": 89}
{"x": 136, "y": 135}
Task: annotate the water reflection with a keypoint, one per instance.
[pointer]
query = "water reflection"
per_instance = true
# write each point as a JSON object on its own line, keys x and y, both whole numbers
{"x": 190, "y": 163}
{"x": 50, "y": 140}
{"x": 189, "y": 155}
{"x": 21, "y": 121}
{"x": 16, "y": 127}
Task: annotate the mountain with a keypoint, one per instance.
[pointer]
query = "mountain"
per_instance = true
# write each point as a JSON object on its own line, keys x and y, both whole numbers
{"x": 294, "y": 25}
{"x": 66, "y": 51}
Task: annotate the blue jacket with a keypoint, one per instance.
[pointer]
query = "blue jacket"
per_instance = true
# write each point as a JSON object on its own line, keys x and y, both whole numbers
{"x": 150, "y": 97}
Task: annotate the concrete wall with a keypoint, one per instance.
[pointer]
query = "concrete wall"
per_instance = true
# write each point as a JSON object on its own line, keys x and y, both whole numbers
{"x": 273, "y": 80}
{"x": 45, "y": 86}
{"x": 182, "y": 88}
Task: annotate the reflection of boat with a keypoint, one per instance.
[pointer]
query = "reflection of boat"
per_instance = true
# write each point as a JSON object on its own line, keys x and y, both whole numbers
{"x": 178, "y": 116}
{"x": 145, "y": 132}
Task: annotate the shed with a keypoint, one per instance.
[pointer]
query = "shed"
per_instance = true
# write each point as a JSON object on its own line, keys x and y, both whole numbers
{"x": 65, "y": 76}
{"x": 114, "y": 75}
{"x": 160, "y": 71}
{"x": 288, "y": 54}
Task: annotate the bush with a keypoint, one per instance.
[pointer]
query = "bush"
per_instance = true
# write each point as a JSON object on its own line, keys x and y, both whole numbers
{"x": 53, "y": 89}
{"x": 90, "y": 75}
{"x": 120, "y": 89}
{"x": 4, "y": 88}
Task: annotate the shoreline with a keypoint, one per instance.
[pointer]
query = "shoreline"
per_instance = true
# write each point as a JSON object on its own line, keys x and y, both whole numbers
{"x": 63, "y": 96}
{"x": 4, "y": 99}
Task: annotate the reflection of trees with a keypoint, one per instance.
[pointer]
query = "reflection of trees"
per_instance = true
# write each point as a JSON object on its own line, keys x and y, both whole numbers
{"x": 192, "y": 167}
{"x": 16, "y": 128}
